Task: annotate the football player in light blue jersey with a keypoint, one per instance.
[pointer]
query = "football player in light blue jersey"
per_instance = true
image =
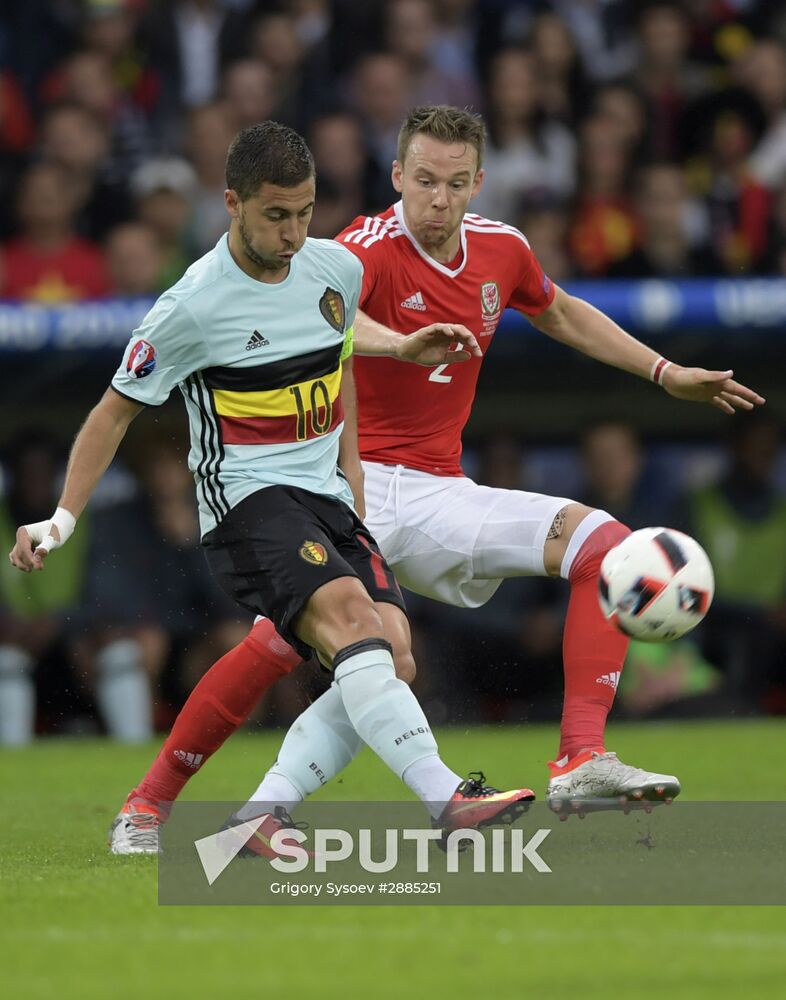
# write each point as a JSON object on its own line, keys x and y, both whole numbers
{"x": 258, "y": 361}
{"x": 257, "y": 337}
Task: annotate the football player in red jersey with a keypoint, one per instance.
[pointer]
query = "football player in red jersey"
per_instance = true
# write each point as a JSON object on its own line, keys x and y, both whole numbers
{"x": 428, "y": 259}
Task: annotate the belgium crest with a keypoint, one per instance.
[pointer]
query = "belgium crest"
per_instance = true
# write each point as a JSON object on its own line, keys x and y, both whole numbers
{"x": 313, "y": 553}
{"x": 331, "y": 305}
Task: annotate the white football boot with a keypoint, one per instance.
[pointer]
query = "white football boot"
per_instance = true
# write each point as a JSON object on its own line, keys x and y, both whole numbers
{"x": 595, "y": 780}
{"x": 135, "y": 828}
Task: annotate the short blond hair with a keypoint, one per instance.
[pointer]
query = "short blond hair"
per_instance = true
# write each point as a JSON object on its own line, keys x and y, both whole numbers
{"x": 445, "y": 124}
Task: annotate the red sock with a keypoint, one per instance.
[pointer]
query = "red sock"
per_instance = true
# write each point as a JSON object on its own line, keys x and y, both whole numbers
{"x": 221, "y": 701}
{"x": 593, "y": 650}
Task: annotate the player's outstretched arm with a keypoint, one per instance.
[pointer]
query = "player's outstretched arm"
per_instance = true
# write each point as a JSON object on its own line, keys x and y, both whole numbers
{"x": 436, "y": 344}
{"x": 94, "y": 448}
{"x": 578, "y": 324}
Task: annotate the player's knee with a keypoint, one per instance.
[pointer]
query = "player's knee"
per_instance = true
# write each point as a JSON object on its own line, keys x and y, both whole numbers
{"x": 605, "y": 537}
{"x": 359, "y": 619}
{"x": 559, "y": 534}
{"x": 587, "y": 557}
{"x": 339, "y": 614}
{"x": 609, "y": 534}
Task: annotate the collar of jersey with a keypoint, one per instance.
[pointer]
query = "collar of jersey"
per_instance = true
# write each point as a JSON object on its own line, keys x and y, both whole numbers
{"x": 398, "y": 211}
{"x": 238, "y": 272}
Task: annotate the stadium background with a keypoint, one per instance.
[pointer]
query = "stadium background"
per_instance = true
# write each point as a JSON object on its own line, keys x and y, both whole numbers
{"x": 641, "y": 147}
{"x": 690, "y": 256}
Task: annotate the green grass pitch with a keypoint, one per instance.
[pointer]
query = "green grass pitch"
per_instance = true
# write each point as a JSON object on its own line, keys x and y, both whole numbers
{"x": 77, "y": 922}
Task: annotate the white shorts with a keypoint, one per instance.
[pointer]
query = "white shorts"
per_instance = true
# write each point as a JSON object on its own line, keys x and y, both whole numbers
{"x": 448, "y": 538}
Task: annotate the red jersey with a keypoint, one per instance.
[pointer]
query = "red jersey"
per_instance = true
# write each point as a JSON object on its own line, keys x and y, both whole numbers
{"x": 411, "y": 415}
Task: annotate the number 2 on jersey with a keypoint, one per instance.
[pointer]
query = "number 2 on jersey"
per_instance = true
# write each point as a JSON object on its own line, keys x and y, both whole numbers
{"x": 437, "y": 376}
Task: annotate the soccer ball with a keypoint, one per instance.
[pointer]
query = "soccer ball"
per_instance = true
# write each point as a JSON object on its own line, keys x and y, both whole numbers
{"x": 657, "y": 584}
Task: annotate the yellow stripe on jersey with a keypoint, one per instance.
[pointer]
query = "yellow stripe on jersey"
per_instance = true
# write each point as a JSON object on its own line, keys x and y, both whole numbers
{"x": 274, "y": 402}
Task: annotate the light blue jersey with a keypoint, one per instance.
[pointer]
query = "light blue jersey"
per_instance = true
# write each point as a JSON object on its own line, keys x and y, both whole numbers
{"x": 259, "y": 366}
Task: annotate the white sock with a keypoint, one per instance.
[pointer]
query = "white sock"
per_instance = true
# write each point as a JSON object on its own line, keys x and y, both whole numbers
{"x": 274, "y": 790}
{"x": 319, "y": 744}
{"x": 123, "y": 692}
{"x": 432, "y": 782}
{"x": 386, "y": 714}
{"x": 17, "y": 696}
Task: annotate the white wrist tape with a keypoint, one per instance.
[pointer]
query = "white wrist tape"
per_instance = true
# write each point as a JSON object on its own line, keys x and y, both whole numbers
{"x": 658, "y": 370}
{"x": 41, "y": 531}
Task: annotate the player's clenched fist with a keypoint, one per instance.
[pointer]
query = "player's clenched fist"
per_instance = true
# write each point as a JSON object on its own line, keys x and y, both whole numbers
{"x": 439, "y": 344}
{"x": 34, "y": 542}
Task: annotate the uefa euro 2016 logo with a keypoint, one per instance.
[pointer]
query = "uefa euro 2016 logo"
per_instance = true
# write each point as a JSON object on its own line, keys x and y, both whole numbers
{"x": 141, "y": 360}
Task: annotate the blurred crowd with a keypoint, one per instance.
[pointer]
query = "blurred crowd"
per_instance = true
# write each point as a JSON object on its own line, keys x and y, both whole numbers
{"x": 627, "y": 137}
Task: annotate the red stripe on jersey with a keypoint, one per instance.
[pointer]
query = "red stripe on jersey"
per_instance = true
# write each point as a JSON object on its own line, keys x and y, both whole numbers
{"x": 383, "y": 577}
{"x": 277, "y": 430}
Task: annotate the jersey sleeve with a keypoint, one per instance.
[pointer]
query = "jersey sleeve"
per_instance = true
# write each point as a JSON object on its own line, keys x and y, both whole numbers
{"x": 356, "y": 239}
{"x": 167, "y": 348}
{"x": 533, "y": 291}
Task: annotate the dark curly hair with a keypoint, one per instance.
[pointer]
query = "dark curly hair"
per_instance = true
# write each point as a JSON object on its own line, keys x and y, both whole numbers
{"x": 267, "y": 153}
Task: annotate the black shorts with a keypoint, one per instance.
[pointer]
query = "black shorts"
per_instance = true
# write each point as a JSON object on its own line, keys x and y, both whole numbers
{"x": 276, "y": 547}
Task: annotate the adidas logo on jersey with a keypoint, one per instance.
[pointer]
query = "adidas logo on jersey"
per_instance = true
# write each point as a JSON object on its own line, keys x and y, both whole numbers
{"x": 610, "y": 680}
{"x": 257, "y": 340}
{"x": 414, "y": 302}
